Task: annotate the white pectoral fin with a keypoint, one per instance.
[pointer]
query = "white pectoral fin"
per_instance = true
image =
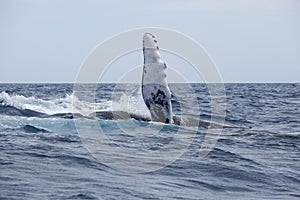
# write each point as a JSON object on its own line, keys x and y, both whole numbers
{"x": 154, "y": 73}
{"x": 158, "y": 100}
{"x": 155, "y": 89}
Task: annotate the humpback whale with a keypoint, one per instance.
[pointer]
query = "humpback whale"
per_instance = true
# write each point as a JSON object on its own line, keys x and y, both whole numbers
{"x": 156, "y": 93}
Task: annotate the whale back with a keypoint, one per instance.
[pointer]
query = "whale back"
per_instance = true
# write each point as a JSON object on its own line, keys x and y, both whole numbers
{"x": 155, "y": 90}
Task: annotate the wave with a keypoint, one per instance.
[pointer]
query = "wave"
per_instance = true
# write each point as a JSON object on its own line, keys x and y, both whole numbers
{"x": 60, "y": 105}
{"x": 33, "y": 129}
{"x": 67, "y": 107}
{"x": 27, "y": 129}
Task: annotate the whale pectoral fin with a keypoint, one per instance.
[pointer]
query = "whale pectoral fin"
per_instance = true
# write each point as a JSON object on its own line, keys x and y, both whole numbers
{"x": 155, "y": 89}
{"x": 158, "y": 113}
{"x": 158, "y": 100}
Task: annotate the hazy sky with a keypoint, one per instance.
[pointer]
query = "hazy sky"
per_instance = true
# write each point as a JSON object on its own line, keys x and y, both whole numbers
{"x": 249, "y": 40}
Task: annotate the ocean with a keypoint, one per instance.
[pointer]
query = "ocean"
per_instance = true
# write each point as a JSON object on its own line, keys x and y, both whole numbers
{"x": 44, "y": 155}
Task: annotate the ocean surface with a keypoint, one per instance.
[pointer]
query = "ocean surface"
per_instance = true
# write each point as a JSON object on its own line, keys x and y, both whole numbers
{"x": 44, "y": 153}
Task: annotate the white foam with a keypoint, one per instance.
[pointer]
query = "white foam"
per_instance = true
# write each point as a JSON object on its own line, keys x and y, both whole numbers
{"x": 59, "y": 105}
{"x": 131, "y": 104}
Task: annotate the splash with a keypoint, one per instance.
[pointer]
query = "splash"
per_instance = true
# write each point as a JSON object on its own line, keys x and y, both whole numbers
{"x": 51, "y": 107}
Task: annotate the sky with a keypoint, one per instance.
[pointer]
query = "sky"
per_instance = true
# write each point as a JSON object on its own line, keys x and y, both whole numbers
{"x": 249, "y": 40}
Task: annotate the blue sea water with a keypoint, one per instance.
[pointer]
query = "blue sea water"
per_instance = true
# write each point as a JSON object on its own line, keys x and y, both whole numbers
{"x": 42, "y": 155}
